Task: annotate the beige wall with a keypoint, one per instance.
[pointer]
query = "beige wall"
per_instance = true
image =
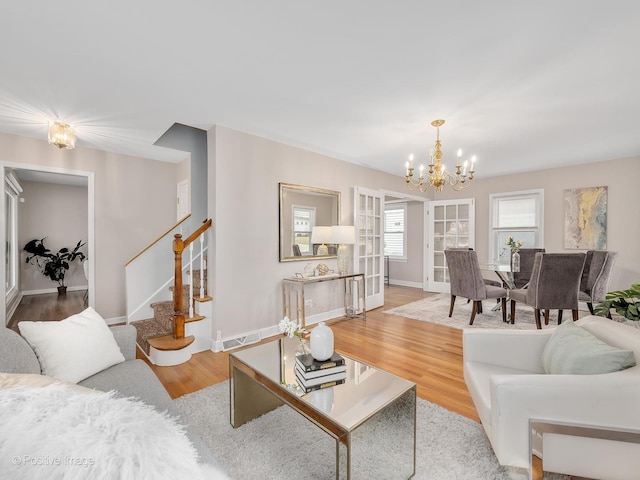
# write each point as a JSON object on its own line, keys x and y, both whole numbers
{"x": 244, "y": 172}
{"x": 59, "y": 213}
{"x": 134, "y": 203}
{"x": 623, "y": 229}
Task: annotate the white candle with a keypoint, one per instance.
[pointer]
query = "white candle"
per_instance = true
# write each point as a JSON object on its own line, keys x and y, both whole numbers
{"x": 473, "y": 164}
{"x": 459, "y": 156}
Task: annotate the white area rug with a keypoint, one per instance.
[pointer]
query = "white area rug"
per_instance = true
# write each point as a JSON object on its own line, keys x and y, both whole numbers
{"x": 435, "y": 309}
{"x": 283, "y": 445}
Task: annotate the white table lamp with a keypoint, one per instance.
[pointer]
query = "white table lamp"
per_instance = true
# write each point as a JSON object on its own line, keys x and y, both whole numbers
{"x": 321, "y": 235}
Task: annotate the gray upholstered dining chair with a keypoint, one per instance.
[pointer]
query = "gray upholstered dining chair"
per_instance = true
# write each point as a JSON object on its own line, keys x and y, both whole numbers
{"x": 522, "y": 277}
{"x": 554, "y": 284}
{"x": 466, "y": 281}
{"x": 487, "y": 281}
{"x": 596, "y": 274}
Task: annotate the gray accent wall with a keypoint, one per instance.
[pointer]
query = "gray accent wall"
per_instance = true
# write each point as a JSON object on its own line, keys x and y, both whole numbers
{"x": 192, "y": 140}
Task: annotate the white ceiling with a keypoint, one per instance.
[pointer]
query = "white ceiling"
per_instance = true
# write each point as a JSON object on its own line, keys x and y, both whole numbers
{"x": 523, "y": 85}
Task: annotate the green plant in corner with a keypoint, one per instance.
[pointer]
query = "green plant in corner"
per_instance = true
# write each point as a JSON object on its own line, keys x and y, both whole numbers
{"x": 624, "y": 302}
{"x": 53, "y": 265}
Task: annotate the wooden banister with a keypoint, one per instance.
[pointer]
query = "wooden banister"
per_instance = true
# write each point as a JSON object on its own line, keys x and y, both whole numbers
{"x": 157, "y": 240}
{"x": 178, "y": 247}
{"x": 201, "y": 229}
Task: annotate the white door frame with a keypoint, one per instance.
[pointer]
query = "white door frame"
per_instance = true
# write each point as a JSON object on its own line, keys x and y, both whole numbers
{"x": 90, "y": 223}
{"x": 430, "y": 248}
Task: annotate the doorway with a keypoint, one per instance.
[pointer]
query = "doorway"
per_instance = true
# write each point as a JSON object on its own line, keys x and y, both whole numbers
{"x": 50, "y": 175}
{"x": 404, "y": 247}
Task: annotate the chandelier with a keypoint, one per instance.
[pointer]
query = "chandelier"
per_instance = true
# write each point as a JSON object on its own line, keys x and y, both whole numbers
{"x": 437, "y": 176}
{"x": 62, "y": 135}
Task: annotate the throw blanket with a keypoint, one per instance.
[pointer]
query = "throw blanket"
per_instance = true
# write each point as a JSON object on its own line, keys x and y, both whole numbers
{"x": 54, "y": 432}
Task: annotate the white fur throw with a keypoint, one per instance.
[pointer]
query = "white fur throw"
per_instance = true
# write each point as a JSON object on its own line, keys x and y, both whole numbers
{"x": 53, "y": 432}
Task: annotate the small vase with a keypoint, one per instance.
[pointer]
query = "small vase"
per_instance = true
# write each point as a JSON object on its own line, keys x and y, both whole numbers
{"x": 321, "y": 342}
{"x": 62, "y": 290}
{"x": 302, "y": 348}
{"x": 515, "y": 262}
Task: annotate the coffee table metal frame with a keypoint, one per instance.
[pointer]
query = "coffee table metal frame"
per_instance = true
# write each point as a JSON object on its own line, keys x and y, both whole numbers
{"x": 253, "y": 393}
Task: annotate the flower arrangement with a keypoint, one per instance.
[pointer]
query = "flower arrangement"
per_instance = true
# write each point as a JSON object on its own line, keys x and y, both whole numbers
{"x": 514, "y": 245}
{"x": 293, "y": 329}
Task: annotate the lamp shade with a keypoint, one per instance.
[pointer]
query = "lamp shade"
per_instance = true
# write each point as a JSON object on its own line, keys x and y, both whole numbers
{"x": 343, "y": 234}
{"x": 321, "y": 235}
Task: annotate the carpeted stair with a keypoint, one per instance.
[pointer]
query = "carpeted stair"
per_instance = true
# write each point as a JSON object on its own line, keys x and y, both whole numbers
{"x": 162, "y": 322}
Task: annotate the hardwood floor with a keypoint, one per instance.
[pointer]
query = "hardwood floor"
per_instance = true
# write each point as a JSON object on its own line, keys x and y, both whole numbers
{"x": 428, "y": 354}
{"x": 47, "y": 306}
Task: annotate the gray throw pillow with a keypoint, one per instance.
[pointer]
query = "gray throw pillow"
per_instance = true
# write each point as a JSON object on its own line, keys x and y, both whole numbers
{"x": 573, "y": 350}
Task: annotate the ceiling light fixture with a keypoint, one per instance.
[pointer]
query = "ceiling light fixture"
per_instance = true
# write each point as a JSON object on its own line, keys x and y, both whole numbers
{"x": 437, "y": 176}
{"x": 62, "y": 135}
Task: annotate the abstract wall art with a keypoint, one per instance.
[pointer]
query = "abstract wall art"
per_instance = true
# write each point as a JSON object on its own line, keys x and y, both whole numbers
{"x": 585, "y": 218}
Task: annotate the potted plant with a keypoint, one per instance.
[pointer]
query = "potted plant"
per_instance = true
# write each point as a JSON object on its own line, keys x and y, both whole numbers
{"x": 624, "y": 302}
{"x": 53, "y": 265}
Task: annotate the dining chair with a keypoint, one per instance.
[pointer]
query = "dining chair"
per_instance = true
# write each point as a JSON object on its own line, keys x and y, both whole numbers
{"x": 522, "y": 277}
{"x": 554, "y": 285}
{"x": 466, "y": 281}
{"x": 596, "y": 274}
{"x": 296, "y": 250}
{"x": 487, "y": 281}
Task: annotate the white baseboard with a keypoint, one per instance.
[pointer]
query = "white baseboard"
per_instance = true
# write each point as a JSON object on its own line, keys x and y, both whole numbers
{"x": 53, "y": 290}
{"x": 324, "y": 316}
{"x": 273, "y": 330}
{"x": 404, "y": 283}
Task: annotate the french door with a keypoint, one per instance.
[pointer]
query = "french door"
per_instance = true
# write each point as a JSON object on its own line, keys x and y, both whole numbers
{"x": 452, "y": 224}
{"x": 368, "y": 251}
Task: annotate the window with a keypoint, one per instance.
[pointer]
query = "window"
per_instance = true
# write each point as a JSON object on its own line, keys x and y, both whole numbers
{"x": 395, "y": 235}
{"x": 304, "y": 219}
{"x": 516, "y": 214}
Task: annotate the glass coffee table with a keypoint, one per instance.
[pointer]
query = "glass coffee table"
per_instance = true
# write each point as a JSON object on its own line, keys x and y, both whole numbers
{"x": 371, "y": 417}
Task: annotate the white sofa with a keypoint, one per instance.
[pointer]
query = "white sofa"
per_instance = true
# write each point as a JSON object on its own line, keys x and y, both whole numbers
{"x": 504, "y": 375}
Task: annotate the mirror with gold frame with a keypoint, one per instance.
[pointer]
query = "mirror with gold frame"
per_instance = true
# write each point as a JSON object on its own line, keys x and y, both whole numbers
{"x": 301, "y": 209}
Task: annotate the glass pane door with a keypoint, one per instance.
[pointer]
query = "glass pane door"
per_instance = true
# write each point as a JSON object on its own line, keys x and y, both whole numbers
{"x": 452, "y": 225}
{"x": 368, "y": 256}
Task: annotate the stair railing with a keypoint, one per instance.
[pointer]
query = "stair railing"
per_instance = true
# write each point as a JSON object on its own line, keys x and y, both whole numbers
{"x": 179, "y": 246}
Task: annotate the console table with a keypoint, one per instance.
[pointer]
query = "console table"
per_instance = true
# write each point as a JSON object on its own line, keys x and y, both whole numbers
{"x": 293, "y": 295}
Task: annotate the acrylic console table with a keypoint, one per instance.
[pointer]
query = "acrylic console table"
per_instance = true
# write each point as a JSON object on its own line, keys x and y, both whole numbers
{"x": 293, "y": 295}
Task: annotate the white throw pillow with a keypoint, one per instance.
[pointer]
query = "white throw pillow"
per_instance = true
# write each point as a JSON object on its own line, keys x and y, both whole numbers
{"x": 572, "y": 350}
{"x": 74, "y": 348}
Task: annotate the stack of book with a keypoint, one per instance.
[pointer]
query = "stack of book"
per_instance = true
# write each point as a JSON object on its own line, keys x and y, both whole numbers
{"x": 314, "y": 375}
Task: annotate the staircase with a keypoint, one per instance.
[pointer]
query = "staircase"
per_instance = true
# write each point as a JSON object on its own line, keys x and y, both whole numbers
{"x": 181, "y": 326}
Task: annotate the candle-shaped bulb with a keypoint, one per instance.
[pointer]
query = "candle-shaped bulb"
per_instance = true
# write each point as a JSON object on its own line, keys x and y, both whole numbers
{"x": 473, "y": 163}
{"x": 464, "y": 170}
{"x": 411, "y": 158}
{"x": 431, "y": 154}
{"x": 459, "y": 156}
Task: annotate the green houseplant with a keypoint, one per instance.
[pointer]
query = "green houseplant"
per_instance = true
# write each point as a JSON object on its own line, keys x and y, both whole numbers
{"x": 624, "y": 302}
{"x": 53, "y": 265}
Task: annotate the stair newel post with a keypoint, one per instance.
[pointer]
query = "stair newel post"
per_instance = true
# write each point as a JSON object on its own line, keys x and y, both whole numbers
{"x": 192, "y": 280}
{"x": 202, "y": 265}
{"x": 178, "y": 319}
